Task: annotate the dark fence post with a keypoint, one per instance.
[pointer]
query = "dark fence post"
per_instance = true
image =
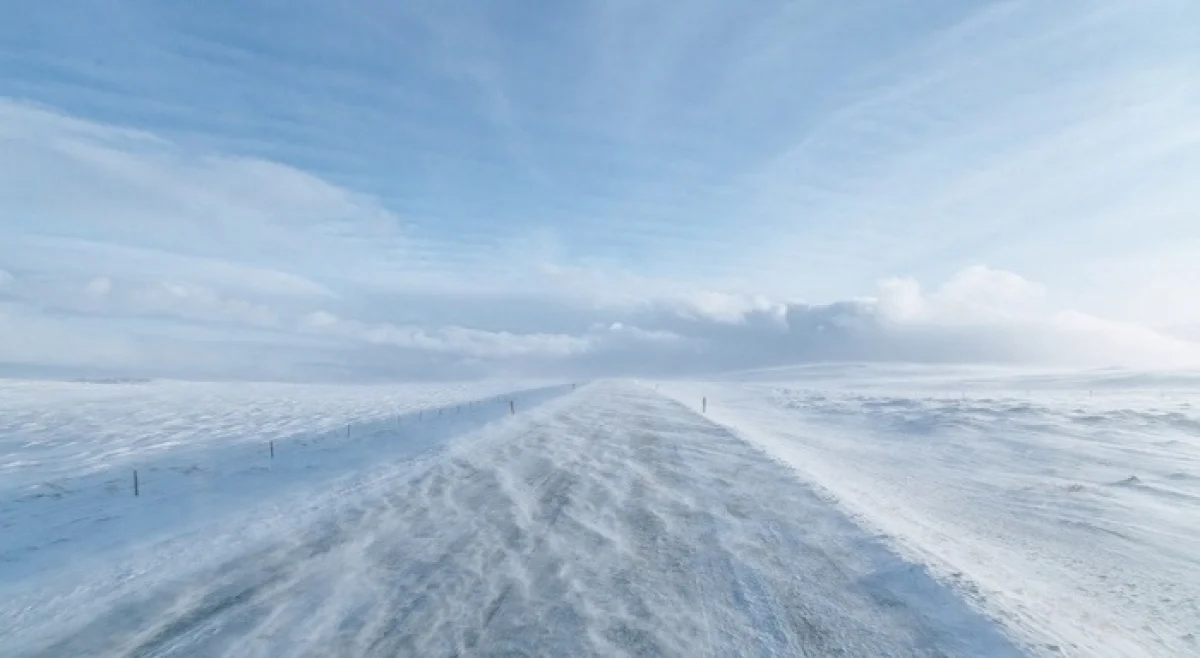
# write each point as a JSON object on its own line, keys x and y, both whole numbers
{"x": 136, "y": 491}
{"x": 271, "y": 444}
{"x": 512, "y": 409}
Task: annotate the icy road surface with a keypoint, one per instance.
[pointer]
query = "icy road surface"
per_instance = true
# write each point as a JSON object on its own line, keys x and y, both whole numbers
{"x": 609, "y": 522}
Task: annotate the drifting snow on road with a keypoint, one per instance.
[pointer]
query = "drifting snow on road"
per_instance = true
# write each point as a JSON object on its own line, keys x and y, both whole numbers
{"x": 610, "y": 522}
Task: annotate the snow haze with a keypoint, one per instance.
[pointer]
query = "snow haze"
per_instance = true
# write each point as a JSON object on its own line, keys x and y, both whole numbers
{"x": 374, "y": 190}
{"x": 600, "y": 328}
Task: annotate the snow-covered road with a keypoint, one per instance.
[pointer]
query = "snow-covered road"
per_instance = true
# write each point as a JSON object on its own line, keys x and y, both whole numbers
{"x": 612, "y": 521}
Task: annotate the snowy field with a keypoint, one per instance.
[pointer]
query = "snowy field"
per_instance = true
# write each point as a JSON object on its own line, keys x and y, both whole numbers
{"x": 1066, "y": 506}
{"x": 823, "y": 511}
{"x": 605, "y": 521}
{"x": 68, "y": 452}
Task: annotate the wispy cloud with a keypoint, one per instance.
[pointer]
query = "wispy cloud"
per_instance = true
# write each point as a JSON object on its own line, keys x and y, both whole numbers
{"x": 430, "y": 188}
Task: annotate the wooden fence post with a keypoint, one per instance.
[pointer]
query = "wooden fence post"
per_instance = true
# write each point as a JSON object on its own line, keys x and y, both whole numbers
{"x": 136, "y": 491}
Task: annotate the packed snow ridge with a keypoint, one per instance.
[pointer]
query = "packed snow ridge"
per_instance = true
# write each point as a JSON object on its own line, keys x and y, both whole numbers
{"x": 847, "y": 511}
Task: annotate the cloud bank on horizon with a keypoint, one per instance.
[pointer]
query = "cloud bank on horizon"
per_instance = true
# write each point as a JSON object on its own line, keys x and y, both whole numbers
{"x": 330, "y": 191}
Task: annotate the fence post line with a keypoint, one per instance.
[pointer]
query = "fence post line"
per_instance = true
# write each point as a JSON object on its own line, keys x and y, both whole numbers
{"x": 136, "y": 491}
{"x": 271, "y": 444}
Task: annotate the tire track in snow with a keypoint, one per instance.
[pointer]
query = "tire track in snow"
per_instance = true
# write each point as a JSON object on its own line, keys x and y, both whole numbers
{"x": 622, "y": 525}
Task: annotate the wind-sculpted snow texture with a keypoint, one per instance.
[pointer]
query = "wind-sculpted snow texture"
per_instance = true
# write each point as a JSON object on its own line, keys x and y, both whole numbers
{"x": 609, "y": 522}
{"x": 68, "y": 452}
{"x": 1066, "y": 505}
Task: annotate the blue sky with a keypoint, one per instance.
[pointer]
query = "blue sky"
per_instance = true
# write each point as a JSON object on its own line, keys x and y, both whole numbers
{"x": 449, "y": 187}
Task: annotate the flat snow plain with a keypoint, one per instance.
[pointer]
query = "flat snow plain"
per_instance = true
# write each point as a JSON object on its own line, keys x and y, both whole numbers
{"x": 1066, "y": 506}
{"x": 844, "y": 511}
{"x": 68, "y": 452}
